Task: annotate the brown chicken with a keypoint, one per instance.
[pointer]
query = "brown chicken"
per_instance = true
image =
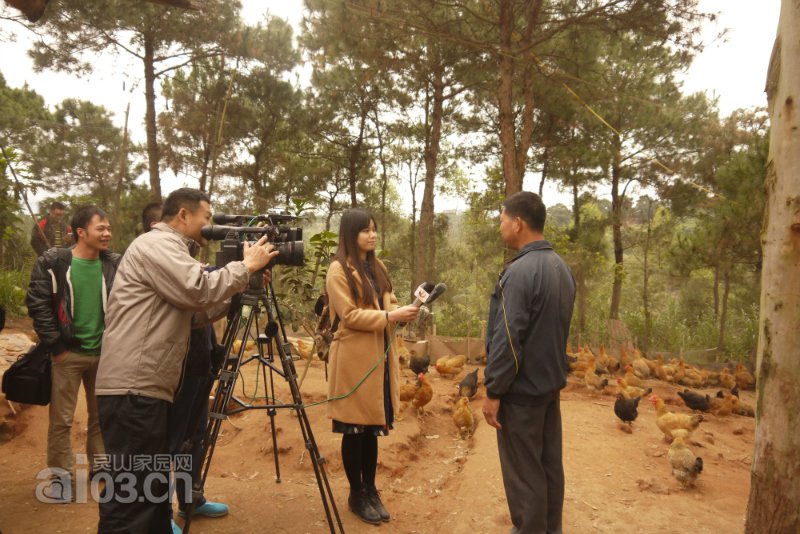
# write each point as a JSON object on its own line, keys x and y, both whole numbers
{"x": 668, "y": 421}
{"x": 610, "y": 363}
{"x": 744, "y": 379}
{"x": 237, "y": 344}
{"x": 304, "y": 348}
{"x": 741, "y": 408}
{"x": 631, "y": 379}
{"x": 582, "y": 364}
{"x": 630, "y": 392}
{"x": 594, "y": 382}
{"x": 663, "y": 372}
{"x": 450, "y": 365}
{"x": 685, "y": 466}
{"x": 722, "y": 406}
{"x": 640, "y": 368}
{"x": 407, "y": 392}
{"x": 726, "y": 379}
{"x": 463, "y": 418}
{"x": 422, "y": 395}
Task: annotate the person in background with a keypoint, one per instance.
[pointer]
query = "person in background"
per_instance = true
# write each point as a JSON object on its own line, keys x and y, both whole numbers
{"x": 51, "y": 231}
{"x": 151, "y": 215}
{"x": 67, "y": 299}
{"x": 364, "y": 367}
{"x": 526, "y": 366}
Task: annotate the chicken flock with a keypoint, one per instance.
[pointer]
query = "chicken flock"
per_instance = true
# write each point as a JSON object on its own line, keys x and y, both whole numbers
{"x": 627, "y": 375}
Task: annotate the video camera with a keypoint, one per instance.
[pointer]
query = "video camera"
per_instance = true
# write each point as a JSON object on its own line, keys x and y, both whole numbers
{"x": 233, "y": 230}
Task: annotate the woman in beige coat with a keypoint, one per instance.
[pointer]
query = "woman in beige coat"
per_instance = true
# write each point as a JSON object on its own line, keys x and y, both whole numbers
{"x": 364, "y": 370}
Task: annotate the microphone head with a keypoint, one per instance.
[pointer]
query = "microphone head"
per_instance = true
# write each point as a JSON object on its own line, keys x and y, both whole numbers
{"x": 423, "y": 291}
{"x": 437, "y": 291}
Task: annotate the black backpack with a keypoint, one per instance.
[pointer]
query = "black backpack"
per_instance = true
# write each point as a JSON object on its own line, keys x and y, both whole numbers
{"x": 28, "y": 380}
{"x": 323, "y": 336}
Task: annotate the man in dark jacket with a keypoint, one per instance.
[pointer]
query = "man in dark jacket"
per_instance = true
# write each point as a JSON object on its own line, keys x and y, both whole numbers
{"x": 526, "y": 366}
{"x": 66, "y": 300}
{"x": 51, "y": 231}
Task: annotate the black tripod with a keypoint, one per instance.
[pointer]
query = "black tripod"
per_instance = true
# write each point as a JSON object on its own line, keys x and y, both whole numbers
{"x": 256, "y": 296}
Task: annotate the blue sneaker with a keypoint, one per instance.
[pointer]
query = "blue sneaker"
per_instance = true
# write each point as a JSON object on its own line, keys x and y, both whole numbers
{"x": 209, "y": 509}
{"x": 175, "y": 528}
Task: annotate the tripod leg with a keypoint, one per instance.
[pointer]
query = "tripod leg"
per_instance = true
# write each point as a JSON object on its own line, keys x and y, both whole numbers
{"x": 317, "y": 461}
{"x": 270, "y": 388}
{"x": 217, "y": 412}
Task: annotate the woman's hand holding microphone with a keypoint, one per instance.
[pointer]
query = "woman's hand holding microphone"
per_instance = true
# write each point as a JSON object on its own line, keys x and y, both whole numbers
{"x": 404, "y": 314}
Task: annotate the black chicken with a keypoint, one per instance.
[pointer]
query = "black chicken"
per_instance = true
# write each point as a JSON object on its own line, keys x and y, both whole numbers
{"x": 626, "y": 409}
{"x": 419, "y": 364}
{"x": 695, "y": 401}
{"x": 469, "y": 385}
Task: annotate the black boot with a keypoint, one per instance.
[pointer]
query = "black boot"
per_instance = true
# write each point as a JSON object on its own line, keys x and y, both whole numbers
{"x": 375, "y": 500}
{"x": 360, "y": 505}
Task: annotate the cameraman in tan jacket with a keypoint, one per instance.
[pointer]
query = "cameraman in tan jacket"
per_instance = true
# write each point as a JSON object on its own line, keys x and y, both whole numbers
{"x": 158, "y": 291}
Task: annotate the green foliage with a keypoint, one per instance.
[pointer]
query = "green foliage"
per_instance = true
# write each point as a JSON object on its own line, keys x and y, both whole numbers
{"x": 454, "y": 100}
{"x": 299, "y": 288}
{"x": 13, "y": 285}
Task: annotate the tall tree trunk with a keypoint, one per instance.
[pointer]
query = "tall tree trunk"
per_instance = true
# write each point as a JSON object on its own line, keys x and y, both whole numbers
{"x": 515, "y": 151}
{"x": 203, "y": 182}
{"x": 150, "y": 116}
{"x": 616, "y": 229}
{"x": 355, "y": 156}
{"x": 774, "y": 504}
{"x": 123, "y": 169}
{"x": 716, "y": 290}
{"x": 384, "y": 176}
{"x": 412, "y": 179}
{"x": 648, "y": 321}
{"x": 219, "y": 123}
{"x": 425, "y": 234}
{"x": 723, "y": 316}
{"x": 505, "y": 99}
{"x": 545, "y": 165}
{"x": 580, "y": 270}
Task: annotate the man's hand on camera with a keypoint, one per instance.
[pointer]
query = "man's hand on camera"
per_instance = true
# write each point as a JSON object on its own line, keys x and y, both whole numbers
{"x": 404, "y": 314}
{"x": 258, "y": 255}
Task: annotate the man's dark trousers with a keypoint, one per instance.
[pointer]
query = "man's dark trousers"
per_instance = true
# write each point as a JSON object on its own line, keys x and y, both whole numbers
{"x": 530, "y": 459}
{"x": 134, "y": 427}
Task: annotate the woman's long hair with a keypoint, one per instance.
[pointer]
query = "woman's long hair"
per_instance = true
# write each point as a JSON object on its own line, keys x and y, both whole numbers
{"x": 353, "y": 221}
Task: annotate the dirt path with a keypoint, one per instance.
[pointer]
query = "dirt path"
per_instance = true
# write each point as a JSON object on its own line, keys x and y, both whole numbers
{"x": 432, "y": 482}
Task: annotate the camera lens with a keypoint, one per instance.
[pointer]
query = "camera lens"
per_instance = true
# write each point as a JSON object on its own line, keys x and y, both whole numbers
{"x": 291, "y": 253}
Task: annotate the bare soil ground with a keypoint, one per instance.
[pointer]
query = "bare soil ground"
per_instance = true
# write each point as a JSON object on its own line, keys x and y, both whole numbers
{"x": 431, "y": 480}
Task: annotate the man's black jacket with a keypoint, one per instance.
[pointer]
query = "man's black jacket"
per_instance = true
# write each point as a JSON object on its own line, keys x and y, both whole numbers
{"x": 529, "y": 317}
{"x": 49, "y": 298}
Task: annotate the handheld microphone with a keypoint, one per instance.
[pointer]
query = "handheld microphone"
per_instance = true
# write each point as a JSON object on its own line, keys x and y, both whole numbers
{"x": 437, "y": 292}
{"x": 427, "y": 293}
{"x": 422, "y": 293}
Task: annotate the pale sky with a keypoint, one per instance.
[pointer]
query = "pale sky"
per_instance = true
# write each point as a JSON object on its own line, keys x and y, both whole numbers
{"x": 732, "y": 69}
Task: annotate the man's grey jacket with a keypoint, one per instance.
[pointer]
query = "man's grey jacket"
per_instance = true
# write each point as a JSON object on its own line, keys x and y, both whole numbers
{"x": 529, "y": 316}
{"x": 158, "y": 289}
